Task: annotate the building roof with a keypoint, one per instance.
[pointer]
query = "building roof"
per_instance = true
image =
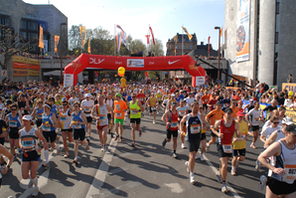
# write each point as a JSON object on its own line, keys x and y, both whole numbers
{"x": 202, "y": 50}
{"x": 178, "y": 38}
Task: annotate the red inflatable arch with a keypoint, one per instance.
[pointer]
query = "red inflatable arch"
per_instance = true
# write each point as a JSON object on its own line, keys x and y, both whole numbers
{"x": 84, "y": 61}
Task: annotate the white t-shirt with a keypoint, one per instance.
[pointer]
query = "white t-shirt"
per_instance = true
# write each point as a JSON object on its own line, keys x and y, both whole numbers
{"x": 189, "y": 101}
{"x": 269, "y": 130}
{"x": 254, "y": 115}
{"x": 87, "y": 106}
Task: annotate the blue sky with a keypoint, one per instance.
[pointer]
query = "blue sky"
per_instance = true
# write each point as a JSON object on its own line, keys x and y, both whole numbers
{"x": 165, "y": 16}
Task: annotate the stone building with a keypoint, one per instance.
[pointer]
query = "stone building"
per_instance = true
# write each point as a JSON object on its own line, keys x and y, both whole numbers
{"x": 25, "y": 20}
{"x": 260, "y": 39}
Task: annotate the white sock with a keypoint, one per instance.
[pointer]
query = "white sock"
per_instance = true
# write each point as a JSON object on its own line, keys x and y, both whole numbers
{"x": 46, "y": 155}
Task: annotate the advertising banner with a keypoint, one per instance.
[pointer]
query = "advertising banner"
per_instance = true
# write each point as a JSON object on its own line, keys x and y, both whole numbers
{"x": 135, "y": 63}
{"x": 242, "y": 32}
{"x": 23, "y": 66}
{"x": 68, "y": 80}
{"x": 289, "y": 87}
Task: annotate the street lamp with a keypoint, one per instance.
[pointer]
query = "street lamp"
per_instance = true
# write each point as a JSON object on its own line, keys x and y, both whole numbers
{"x": 219, "y": 49}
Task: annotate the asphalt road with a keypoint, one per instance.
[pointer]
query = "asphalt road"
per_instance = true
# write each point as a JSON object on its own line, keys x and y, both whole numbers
{"x": 148, "y": 170}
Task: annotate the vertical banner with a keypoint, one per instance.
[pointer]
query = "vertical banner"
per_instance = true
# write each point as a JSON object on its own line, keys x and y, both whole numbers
{"x": 82, "y": 31}
{"x": 41, "y": 42}
{"x": 243, "y": 32}
{"x": 88, "y": 46}
{"x": 56, "y": 43}
{"x": 68, "y": 80}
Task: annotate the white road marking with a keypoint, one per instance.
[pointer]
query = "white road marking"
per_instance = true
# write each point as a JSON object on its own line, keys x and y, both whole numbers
{"x": 100, "y": 177}
{"x": 233, "y": 191}
{"x": 175, "y": 187}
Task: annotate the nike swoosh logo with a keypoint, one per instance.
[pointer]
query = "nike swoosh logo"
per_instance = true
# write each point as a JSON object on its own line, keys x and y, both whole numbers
{"x": 172, "y": 62}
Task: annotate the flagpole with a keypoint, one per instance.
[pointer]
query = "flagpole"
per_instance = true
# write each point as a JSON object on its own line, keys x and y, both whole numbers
{"x": 114, "y": 40}
{"x": 182, "y": 40}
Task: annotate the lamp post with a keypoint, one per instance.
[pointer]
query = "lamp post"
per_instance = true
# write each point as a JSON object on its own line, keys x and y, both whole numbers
{"x": 63, "y": 32}
{"x": 219, "y": 52}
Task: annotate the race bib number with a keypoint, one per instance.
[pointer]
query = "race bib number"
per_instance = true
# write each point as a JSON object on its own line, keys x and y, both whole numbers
{"x": 12, "y": 123}
{"x": 134, "y": 112}
{"x": 118, "y": 114}
{"x": 290, "y": 174}
{"x": 28, "y": 143}
{"x": 195, "y": 129}
{"x": 174, "y": 124}
{"x": 227, "y": 148}
{"x": 153, "y": 108}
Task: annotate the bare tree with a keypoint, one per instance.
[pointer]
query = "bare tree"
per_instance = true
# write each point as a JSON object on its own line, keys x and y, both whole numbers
{"x": 10, "y": 44}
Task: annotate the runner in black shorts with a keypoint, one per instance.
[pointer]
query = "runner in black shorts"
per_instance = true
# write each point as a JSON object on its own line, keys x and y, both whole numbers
{"x": 193, "y": 130}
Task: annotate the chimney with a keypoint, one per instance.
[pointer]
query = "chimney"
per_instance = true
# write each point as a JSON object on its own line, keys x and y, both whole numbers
{"x": 202, "y": 43}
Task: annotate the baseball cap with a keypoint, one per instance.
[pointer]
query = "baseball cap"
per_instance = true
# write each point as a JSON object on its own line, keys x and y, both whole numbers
{"x": 291, "y": 128}
{"x": 27, "y": 117}
{"x": 118, "y": 95}
{"x": 287, "y": 121}
{"x": 87, "y": 95}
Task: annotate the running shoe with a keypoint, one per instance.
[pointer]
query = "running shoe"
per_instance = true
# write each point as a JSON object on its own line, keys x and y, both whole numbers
{"x": 225, "y": 188}
{"x": 174, "y": 155}
{"x": 233, "y": 171}
{"x": 66, "y": 155}
{"x": 153, "y": 122}
{"x": 183, "y": 146}
{"x": 192, "y": 178}
{"x": 202, "y": 157}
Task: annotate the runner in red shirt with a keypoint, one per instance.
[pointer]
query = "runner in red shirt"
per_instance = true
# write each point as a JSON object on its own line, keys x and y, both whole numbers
{"x": 225, "y": 129}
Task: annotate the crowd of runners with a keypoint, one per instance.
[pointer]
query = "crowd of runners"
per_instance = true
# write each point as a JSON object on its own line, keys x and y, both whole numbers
{"x": 37, "y": 118}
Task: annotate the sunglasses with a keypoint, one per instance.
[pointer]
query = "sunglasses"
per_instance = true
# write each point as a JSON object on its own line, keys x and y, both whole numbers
{"x": 13, "y": 109}
{"x": 76, "y": 106}
{"x": 65, "y": 104}
{"x": 275, "y": 122}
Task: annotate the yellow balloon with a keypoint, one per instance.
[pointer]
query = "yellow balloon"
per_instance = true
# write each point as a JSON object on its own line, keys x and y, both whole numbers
{"x": 290, "y": 93}
{"x": 121, "y": 70}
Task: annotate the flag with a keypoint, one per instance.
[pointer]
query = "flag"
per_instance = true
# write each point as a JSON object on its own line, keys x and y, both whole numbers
{"x": 209, "y": 46}
{"x": 152, "y": 35}
{"x": 185, "y": 30}
{"x": 220, "y": 32}
{"x": 82, "y": 31}
{"x": 89, "y": 47}
{"x": 41, "y": 42}
{"x": 148, "y": 39}
{"x": 122, "y": 38}
{"x": 118, "y": 42}
{"x": 56, "y": 39}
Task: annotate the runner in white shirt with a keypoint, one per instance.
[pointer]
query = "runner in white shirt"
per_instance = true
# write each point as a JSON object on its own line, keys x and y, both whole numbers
{"x": 253, "y": 117}
{"x": 270, "y": 129}
{"x": 87, "y": 105}
{"x": 182, "y": 111}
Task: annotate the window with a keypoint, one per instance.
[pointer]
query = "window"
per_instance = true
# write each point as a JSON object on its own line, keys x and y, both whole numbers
{"x": 276, "y": 39}
{"x": 277, "y": 8}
